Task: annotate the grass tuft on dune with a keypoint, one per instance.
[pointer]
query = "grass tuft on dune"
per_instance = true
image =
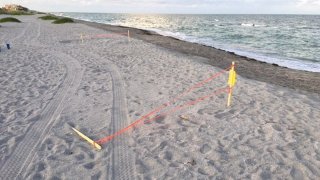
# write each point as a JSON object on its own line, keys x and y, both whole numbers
{"x": 9, "y": 19}
{"x": 49, "y": 17}
{"x": 16, "y": 13}
{"x": 63, "y": 20}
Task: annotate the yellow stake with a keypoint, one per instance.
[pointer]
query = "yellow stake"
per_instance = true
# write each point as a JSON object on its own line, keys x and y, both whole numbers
{"x": 94, "y": 144}
{"x": 231, "y": 82}
{"x": 129, "y": 35}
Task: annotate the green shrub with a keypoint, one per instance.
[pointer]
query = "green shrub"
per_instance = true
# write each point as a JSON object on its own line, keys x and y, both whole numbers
{"x": 49, "y": 17}
{"x": 14, "y": 13}
{"x": 63, "y": 20}
{"x": 9, "y": 19}
{"x": 20, "y": 13}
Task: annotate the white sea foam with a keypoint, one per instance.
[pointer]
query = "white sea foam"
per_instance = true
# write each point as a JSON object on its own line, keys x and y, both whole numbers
{"x": 221, "y": 43}
{"x": 252, "y": 25}
{"x": 247, "y": 24}
{"x": 281, "y": 61}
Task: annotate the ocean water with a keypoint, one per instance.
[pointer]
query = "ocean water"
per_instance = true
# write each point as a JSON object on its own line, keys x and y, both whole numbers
{"x": 291, "y": 41}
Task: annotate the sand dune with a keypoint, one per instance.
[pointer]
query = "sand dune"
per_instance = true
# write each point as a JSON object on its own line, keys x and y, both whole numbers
{"x": 51, "y": 81}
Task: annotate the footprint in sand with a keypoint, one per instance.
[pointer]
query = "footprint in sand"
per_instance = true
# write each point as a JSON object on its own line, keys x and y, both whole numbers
{"x": 224, "y": 114}
{"x": 68, "y": 152}
{"x": 79, "y": 157}
{"x": 137, "y": 102}
{"x": 55, "y": 178}
{"x": 296, "y": 174}
{"x": 160, "y": 119}
{"x": 166, "y": 126}
{"x": 48, "y": 144}
{"x": 277, "y": 127}
{"x": 203, "y": 172}
{"x": 203, "y": 128}
{"x": 37, "y": 177}
{"x": 250, "y": 162}
{"x": 163, "y": 145}
{"x": 89, "y": 165}
{"x": 168, "y": 155}
{"x": 96, "y": 176}
{"x": 41, "y": 167}
{"x": 205, "y": 149}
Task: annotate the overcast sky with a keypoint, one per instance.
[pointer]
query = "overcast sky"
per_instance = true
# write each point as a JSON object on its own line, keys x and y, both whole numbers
{"x": 174, "y": 6}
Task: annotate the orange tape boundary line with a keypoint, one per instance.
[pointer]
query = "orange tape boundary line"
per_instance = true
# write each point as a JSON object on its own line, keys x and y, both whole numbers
{"x": 190, "y": 103}
{"x": 156, "y": 110}
{"x": 177, "y": 108}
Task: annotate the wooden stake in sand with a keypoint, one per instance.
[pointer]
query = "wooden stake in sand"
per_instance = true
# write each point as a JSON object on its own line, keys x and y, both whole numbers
{"x": 231, "y": 82}
{"x": 94, "y": 144}
{"x": 129, "y": 35}
{"x": 184, "y": 117}
{"x": 81, "y": 36}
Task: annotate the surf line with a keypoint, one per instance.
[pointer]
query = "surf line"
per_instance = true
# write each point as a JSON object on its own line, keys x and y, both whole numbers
{"x": 165, "y": 105}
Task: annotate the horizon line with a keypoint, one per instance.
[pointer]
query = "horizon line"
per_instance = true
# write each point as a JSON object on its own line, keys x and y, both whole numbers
{"x": 185, "y": 13}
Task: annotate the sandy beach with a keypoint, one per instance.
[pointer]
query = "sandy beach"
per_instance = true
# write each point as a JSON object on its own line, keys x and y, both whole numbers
{"x": 52, "y": 80}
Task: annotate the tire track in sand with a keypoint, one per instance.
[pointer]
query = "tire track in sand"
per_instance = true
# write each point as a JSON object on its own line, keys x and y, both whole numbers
{"x": 122, "y": 165}
{"x": 24, "y": 151}
{"x": 123, "y": 162}
{"x": 21, "y": 34}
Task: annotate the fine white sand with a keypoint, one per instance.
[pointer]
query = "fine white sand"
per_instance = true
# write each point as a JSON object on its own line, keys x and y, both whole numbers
{"x": 50, "y": 81}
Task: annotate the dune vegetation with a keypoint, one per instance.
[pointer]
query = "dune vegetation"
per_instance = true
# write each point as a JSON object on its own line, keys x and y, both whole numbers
{"x": 49, "y": 17}
{"x": 63, "y": 20}
{"x": 9, "y": 19}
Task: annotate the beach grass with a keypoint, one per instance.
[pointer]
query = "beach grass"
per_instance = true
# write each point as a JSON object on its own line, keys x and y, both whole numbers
{"x": 15, "y": 13}
{"x": 63, "y": 20}
{"x": 9, "y": 19}
{"x": 49, "y": 17}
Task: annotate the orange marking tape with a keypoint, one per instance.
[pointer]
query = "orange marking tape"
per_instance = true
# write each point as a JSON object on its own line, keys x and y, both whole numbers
{"x": 158, "y": 109}
{"x": 190, "y": 103}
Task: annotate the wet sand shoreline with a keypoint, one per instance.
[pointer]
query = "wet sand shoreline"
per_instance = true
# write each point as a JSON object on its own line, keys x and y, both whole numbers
{"x": 246, "y": 67}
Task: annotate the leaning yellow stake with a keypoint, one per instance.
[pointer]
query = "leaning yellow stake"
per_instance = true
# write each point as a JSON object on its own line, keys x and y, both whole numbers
{"x": 94, "y": 144}
{"x": 231, "y": 82}
{"x": 184, "y": 117}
